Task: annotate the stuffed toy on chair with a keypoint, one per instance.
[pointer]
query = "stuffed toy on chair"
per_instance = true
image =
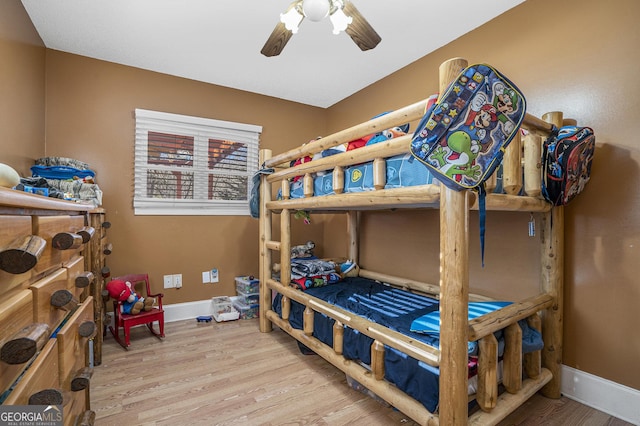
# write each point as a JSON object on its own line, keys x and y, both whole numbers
{"x": 133, "y": 303}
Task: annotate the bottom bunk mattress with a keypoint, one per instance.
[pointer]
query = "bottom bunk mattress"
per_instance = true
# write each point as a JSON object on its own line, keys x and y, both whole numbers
{"x": 400, "y": 311}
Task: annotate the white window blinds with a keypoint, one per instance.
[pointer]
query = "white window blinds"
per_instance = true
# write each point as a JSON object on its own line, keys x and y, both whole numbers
{"x": 193, "y": 166}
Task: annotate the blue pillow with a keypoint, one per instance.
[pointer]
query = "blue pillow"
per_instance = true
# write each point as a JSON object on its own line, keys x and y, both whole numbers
{"x": 430, "y": 323}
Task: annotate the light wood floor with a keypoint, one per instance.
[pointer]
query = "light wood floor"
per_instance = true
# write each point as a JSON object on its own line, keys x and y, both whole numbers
{"x": 231, "y": 374}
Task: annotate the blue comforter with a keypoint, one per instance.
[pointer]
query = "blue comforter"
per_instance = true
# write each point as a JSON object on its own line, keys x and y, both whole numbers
{"x": 395, "y": 309}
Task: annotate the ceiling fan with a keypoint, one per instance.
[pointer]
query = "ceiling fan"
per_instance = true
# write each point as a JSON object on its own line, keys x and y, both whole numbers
{"x": 343, "y": 15}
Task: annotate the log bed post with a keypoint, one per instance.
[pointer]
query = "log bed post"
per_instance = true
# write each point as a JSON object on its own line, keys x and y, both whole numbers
{"x": 379, "y": 173}
{"x": 285, "y": 255}
{"x": 338, "y": 337}
{"x": 454, "y": 283}
{"x": 487, "y": 393}
{"x": 512, "y": 360}
{"x": 377, "y": 360}
{"x": 307, "y": 185}
{"x": 338, "y": 180}
{"x": 265, "y": 252}
{"x": 308, "y": 321}
{"x": 552, "y": 261}
{"x": 352, "y": 235}
{"x": 286, "y": 308}
{"x": 532, "y": 144}
{"x": 285, "y": 189}
{"x": 512, "y": 166}
{"x": 532, "y": 360}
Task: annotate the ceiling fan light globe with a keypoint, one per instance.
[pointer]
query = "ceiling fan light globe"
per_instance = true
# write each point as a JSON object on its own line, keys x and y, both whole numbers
{"x": 340, "y": 21}
{"x": 316, "y": 10}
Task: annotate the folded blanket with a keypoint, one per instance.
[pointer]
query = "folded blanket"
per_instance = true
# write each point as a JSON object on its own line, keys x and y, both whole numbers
{"x": 301, "y": 268}
{"x": 79, "y": 190}
{"x": 308, "y": 273}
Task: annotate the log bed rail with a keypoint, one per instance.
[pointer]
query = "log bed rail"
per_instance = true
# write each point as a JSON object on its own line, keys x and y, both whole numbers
{"x": 521, "y": 174}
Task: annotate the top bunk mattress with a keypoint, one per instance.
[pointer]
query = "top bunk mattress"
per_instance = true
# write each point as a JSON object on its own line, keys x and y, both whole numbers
{"x": 402, "y": 171}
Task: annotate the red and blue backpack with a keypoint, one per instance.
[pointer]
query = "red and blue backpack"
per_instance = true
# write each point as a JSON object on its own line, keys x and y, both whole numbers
{"x": 566, "y": 158}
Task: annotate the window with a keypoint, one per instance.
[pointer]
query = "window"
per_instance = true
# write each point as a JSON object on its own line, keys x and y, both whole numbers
{"x": 193, "y": 166}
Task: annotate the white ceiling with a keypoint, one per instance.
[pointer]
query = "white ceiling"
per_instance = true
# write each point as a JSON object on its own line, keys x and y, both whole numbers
{"x": 219, "y": 41}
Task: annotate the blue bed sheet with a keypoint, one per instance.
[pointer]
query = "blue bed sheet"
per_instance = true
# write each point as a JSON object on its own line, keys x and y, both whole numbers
{"x": 395, "y": 309}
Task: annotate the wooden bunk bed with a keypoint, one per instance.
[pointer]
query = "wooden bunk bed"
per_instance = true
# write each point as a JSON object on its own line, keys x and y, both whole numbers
{"x": 521, "y": 175}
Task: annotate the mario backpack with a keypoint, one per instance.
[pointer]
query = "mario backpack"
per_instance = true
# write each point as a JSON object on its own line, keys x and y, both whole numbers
{"x": 566, "y": 158}
{"x": 462, "y": 138}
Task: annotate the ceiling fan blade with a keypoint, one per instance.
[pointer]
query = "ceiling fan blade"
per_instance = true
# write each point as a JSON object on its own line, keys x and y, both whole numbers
{"x": 360, "y": 31}
{"x": 280, "y": 35}
{"x": 277, "y": 40}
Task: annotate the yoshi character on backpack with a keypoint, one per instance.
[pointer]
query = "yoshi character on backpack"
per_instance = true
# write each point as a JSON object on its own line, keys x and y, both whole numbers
{"x": 457, "y": 158}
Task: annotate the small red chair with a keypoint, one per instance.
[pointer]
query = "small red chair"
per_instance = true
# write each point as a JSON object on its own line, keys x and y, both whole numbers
{"x": 140, "y": 284}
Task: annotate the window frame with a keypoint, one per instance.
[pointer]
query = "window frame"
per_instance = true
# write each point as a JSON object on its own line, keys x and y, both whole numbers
{"x": 203, "y": 130}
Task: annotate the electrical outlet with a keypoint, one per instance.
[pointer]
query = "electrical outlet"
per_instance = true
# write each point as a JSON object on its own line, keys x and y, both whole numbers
{"x": 168, "y": 281}
{"x": 214, "y": 275}
{"x": 177, "y": 280}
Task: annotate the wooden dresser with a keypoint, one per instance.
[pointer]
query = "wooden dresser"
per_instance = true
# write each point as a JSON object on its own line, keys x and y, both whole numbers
{"x": 47, "y": 308}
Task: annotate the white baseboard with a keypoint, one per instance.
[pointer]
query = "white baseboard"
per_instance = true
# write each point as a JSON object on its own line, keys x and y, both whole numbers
{"x": 604, "y": 395}
{"x": 187, "y": 310}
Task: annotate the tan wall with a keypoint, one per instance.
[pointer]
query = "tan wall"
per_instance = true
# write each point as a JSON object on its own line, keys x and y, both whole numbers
{"x": 585, "y": 63}
{"x": 90, "y": 107}
{"x": 22, "y": 55}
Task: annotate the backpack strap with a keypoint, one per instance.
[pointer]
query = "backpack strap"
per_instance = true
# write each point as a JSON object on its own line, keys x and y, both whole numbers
{"x": 482, "y": 209}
